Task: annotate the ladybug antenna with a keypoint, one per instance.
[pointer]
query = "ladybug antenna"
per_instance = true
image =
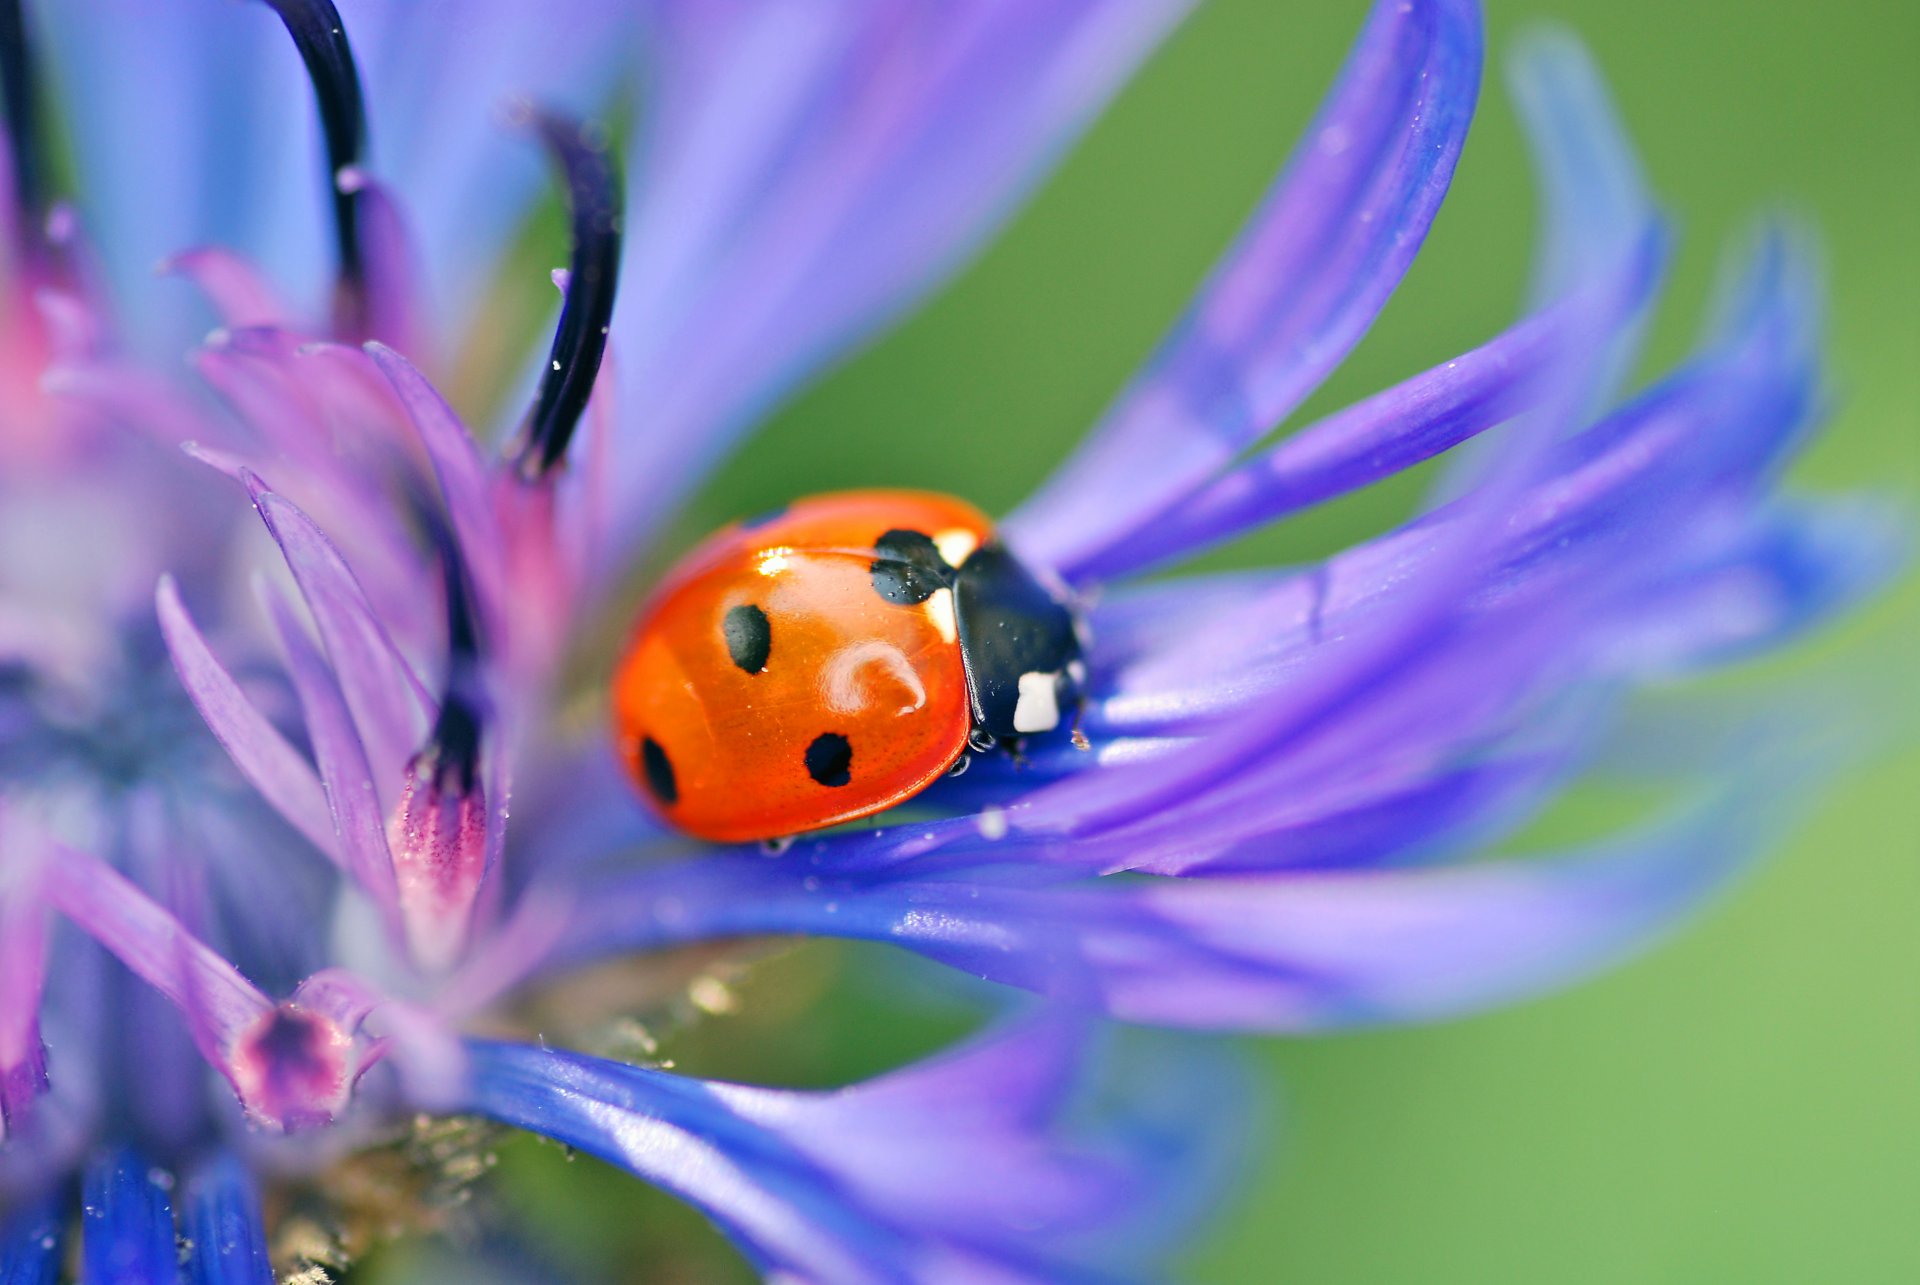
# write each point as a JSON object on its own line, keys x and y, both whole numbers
{"x": 321, "y": 38}
{"x": 20, "y": 100}
{"x": 452, "y": 753}
{"x": 580, "y": 343}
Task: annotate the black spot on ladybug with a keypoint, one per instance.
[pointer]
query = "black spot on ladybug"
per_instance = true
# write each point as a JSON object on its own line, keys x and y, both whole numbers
{"x": 658, "y": 769}
{"x": 830, "y": 759}
{"x": 749, "y": 637}
{"x": 909, "y": 569}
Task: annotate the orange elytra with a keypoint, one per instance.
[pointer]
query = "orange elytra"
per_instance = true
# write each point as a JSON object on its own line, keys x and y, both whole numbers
{"x": 830, "y": 660}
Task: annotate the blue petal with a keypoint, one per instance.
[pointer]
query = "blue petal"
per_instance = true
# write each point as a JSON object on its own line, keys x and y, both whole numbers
{"x": 1388, "y": 432}
{"x": 1277, "y": 952}
{"x": 955, "y": 1169}
{"x": 1602, "y": 241}
{"x": 31, "y": 1244}
{"x": 127, "y": 1222}
{"x": 1596, "y": 198}
{"x": 223, "y": 1225}
{"x": 1291, "y": 299}
{"x": 1793, "y": 567}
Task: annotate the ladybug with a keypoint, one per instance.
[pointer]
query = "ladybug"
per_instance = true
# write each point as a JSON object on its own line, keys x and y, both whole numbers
{"x": 834, "y": 658}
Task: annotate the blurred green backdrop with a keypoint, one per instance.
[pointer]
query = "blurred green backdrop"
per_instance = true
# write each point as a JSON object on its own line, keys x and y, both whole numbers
{"x": 1742, "y": 1105}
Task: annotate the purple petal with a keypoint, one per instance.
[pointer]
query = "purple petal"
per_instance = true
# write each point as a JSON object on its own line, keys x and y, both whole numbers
{"x": 359, "y": 821}
{"x": 1292, "y": 298}
{"x": 127, "y": 1222}
{"x": 223, "y": 1225}
{"x": 391, "y": 272}
{"x": 219, "y": 1003}
{"x": 1280, "y": 952}
{"x": 281, "y": 773}
{"x": 956, "y": 1169}
{"x": 813, "y": 167}
{"x": 327, "y": 426}
{"x": 458, "y": 465}
{"x": 239, "y": 294}
{"x": 390, "y": 705}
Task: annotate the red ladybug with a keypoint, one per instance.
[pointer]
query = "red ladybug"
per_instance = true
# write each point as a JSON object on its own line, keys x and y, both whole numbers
{"x": 830, "y": 660}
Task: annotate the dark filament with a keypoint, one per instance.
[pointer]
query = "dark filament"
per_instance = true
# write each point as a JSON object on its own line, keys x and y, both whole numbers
{"x": 19, "y": 98}
{"x": 453, "y": 750}
{"x": 593, "y": 192}
{"x": 321, "y": 38}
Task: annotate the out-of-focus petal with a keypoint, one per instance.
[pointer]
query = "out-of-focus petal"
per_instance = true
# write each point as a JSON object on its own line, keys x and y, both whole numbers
{"x": 957, "y": 1169}
{"x": 198, "y": 128}
{"x": 1797, "y": 566}
{"x": 23, "y": 975}
{"x": 811, "y": 167}
{"x": 233, "y": 285}
{"x": 1596, "y": 198}
{"x": 281, "y": 774}
{"x": 223, "y": 1226}
{"x": 1290, "y": 300}
{"x": 126, "y": 1231}
{"x": 32, "y": 1243}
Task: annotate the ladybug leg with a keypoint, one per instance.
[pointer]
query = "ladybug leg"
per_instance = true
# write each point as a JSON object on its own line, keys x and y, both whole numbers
{"x": 960, "y": 765}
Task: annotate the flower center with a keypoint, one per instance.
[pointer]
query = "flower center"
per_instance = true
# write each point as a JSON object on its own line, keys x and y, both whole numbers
{"x": 293, "y": 1067}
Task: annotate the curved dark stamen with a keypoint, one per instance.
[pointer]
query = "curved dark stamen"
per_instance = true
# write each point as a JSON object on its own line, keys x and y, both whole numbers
{"x": 321, "y": 38}
{"x": 580, "y": 343}
{"x": 452, "y": 753}
{"x": 19, "y": 98}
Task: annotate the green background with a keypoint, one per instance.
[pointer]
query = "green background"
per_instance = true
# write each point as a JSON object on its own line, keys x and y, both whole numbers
{"x": 1741, "y": 1105}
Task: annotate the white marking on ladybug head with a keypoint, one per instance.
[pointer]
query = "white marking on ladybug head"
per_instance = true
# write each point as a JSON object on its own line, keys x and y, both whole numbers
{"x": 957, "y": 545}
{"x": 857, "y": 676}
{"x": 939, "y": 609}
{"x": 1038, "y": 707}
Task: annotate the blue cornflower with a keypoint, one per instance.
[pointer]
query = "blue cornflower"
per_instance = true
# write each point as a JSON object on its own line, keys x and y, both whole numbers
{"x": 1288, "y": 768}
